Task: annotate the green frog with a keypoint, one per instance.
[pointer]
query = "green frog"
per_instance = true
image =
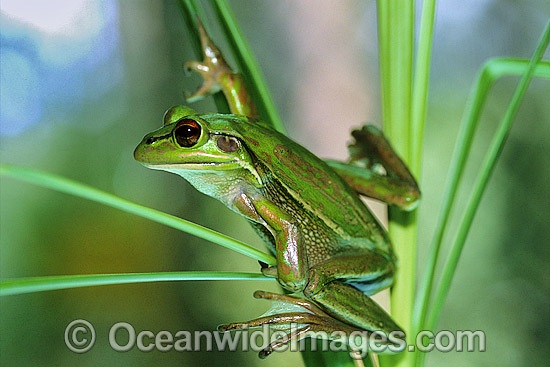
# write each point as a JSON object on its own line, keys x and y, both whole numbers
{"x": 329, "y": 247}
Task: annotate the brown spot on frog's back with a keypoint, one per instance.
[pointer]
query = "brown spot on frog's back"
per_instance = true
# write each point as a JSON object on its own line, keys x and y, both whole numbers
{"x": 307, "y": 172}
{"x": 252, "y": 141}
{"x": 266, "y": 157}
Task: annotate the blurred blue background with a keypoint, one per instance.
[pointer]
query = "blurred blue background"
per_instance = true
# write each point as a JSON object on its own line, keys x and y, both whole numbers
{"x": 83, "y": 81}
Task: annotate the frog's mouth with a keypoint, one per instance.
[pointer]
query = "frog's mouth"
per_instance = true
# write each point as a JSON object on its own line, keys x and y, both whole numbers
{"x": 189, "y": 165}
{"x": 195, "y": 161}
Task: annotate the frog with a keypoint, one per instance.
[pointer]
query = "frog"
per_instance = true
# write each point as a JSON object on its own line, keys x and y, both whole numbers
{"x": 332, "y": 254}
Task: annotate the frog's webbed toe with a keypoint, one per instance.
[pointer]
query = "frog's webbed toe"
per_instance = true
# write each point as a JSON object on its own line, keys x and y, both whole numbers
{"x": 212, "y": 69}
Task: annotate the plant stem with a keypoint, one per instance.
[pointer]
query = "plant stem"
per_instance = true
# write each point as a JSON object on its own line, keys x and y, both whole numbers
{"x": 491, "y": 71}
{"x": 395, "y": 32}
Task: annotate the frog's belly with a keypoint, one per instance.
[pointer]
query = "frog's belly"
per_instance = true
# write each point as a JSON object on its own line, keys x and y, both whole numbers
{"x": 373, "y": 286}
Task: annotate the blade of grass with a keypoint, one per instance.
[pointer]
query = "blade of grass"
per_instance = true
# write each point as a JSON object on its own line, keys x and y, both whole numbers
{"x": 481, "y": 183}
{"x": 248, "y": 66}
{"x": 67, "y": 186}
{"x": 11, "y": 287}
{"x": 420, "y": 85}
{"x": 493, "y": 70}
{"x": 490, "y": 73}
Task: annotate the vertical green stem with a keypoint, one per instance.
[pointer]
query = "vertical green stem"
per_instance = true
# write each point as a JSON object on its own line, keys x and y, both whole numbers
{"x": 492, "y": 71}
{"x": 396, "y": 43}
{"x": 396, "y": 49}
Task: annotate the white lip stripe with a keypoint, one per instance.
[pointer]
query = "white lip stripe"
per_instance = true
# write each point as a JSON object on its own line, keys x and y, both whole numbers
{"x": 177, "y": 166}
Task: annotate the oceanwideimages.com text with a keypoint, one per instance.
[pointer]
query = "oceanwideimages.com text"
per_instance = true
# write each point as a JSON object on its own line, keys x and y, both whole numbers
{"x": 80, "y": 337}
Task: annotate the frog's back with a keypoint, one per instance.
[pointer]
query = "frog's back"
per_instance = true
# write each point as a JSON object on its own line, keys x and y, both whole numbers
{"x": 311, "y": 183}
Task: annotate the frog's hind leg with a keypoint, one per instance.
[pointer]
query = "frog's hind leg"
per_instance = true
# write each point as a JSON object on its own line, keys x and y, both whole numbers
{"x": 327, "y": 287}
{"x": 396, "y": 187}
{"x": 372, "y": 146}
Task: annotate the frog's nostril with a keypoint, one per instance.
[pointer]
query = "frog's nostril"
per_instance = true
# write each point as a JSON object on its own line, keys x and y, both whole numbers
{"x": 151, "y": 140}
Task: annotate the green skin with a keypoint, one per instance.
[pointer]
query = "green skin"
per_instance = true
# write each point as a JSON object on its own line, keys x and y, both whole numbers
{"x": 328, "y": 245}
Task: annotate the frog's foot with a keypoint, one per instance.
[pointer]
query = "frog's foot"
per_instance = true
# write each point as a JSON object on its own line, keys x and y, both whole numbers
{"x": 218, "y": 76}
{"x": 307, "y": 318}
{"x": 375, "y": 170}
{"x": 213, "y": 68}
{"x": 209, "y": 85}
{"x": 372, "y": 148}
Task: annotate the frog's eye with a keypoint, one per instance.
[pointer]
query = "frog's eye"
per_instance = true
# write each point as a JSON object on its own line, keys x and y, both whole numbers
{"x": 227, "y": 143}
{"x": 187, "y": 133}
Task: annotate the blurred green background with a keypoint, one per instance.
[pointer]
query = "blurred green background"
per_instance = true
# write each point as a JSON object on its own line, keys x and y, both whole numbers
{"x": 83, "y": 81}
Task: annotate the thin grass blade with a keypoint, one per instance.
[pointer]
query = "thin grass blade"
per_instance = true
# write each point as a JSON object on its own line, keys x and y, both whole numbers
{"x": 481, "y": 182}
{"x": 493, "y": 70}
{"x": 67, "y": 186}
{"x": 11, "y": 287}
{"x": 420, "y": 85}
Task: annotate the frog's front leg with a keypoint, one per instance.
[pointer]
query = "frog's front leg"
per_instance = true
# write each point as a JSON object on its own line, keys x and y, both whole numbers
{"x": 290, "y": 251}
{"x": 218, "y": 76}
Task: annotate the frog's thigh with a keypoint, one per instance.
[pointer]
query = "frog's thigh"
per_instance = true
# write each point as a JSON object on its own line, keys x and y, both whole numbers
{"x": 367, "y": 266}
{"x": 344, "y": 301}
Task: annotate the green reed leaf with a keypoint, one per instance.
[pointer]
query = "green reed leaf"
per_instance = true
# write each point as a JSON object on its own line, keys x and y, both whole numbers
{"x": 71, "y": 187}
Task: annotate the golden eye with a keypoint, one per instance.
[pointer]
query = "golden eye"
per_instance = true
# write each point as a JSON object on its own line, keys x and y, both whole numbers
{"x": 187, "y": 133}
{"x": 227, "y": 143}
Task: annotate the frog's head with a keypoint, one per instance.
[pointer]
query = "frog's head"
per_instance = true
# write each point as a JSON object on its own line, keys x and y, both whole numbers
{"x": 191, "y": 141}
